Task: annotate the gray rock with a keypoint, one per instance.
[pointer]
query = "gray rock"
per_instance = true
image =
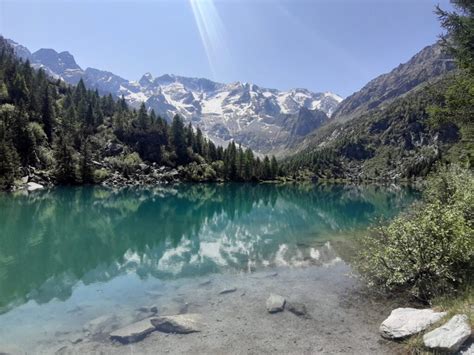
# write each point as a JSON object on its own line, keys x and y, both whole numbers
{"x": 275, "y": 303}
{"x": 102, "y": 324}
{"x": 404, "y": 322}
{"x": 450, "y": 336}
{"x": 298, "y": 309}
{"x": 133, "y": 332}
{"x": 228, "y": 290}
{"x": 33, "y": 186}
{"x": 179, "y": 324}
{"x": 150, "y": 309}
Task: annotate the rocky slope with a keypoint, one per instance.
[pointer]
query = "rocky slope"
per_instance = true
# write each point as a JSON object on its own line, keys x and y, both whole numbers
{"x": 266, "y": 120}
{"x": 428, "y": 64}
{"x": 383, "y": 130}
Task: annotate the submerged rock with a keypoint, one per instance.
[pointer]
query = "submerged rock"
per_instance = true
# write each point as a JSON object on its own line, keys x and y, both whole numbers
{"x": 133, "y": 332}
{"x": 33, "y": 186}
{"x": 102, "y": 324}
{"x": 179, "y": 324}
{"x": 275, "y": 303}
{"x": 450, "y": 336}
{"x": 298, "y": 309}
{"x": 228, "y": 290}
{"x": 404, "y": 322}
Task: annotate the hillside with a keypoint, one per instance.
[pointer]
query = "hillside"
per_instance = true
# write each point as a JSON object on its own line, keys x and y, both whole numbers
{"x": 55, "y": 133}
{"x": 386, "y": 130}
{"x": 428, "y": 64}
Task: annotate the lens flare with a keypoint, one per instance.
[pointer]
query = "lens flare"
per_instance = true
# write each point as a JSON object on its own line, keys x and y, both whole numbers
{"x": 212, "y": 32}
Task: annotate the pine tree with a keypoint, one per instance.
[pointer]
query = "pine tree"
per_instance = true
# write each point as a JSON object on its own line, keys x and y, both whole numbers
{"x": 65, "y": 172}
{"x": 274, "y": 167}
{"x": 199, "y": 142}
{"x": 267, "y": 170}
{"x": 143, "y": 121}
{"x": 87, "y": 168}
{"x": 47, "y": 115}
{"x": 248, "y": 164}
{"x": 179, "y": 140}
{"x": 8, "y": 159}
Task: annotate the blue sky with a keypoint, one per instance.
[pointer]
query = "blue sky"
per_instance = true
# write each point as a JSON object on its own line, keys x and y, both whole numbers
{"x": 322, "y": 45}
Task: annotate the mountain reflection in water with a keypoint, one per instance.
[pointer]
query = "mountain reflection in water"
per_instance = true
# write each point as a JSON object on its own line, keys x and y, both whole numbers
{"x": 51, "y": 240}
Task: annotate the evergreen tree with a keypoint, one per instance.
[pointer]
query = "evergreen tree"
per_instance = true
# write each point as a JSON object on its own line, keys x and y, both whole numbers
{"x": 179, "y": 140}
{"x": 460, "y": 32}
{"x": 143, "y": 121}
{"x": 8, "y": 159}
{"x": 274, "y": 167}
{"x": 65, "y": 172}
{"x": 248, "y": 165}
{"x": 47, "y": 115}
{"x": 267, "y": 170}
{"x": 199, "y": 142}
{"x": 86, "y": 167}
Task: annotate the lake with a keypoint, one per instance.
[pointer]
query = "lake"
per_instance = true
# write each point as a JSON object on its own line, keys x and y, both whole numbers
{"x": 71, "y": 255}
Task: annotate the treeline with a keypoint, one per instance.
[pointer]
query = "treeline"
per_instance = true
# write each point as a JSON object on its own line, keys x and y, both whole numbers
{"x": 68, "y": 131}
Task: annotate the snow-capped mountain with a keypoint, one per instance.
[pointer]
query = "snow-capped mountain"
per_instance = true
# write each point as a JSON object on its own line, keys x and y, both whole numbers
{"x": 266, "y": 120}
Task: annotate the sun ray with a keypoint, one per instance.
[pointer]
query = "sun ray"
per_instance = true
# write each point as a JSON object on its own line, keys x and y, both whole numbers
{"x": 212, "y": 33}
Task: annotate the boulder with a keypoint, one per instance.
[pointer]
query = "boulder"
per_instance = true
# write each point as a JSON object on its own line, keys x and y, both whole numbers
{"x": 33, "y": 186}
{"x": 450, "y": 336}
{"x": 275, "y": 303}
{"x": 133, "y": 332}
{"x": 404, "y": 322}
{"x": 178, "y": 324}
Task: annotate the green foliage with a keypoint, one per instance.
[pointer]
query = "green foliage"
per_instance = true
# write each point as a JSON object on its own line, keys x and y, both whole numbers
{"x": 47, "y": 124}
{"x": 430, "y": 249}
{"x": 457, "y": 103}
{"x": 66, "y": 161}
{"x": 126, "y": 164}
{"x": 200, "y": 172}
{"x": 8, "y": 159}
{"x": 460, "y": 31}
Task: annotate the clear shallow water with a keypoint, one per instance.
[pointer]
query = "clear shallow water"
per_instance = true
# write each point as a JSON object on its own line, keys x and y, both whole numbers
{"x": 69, "y": 255}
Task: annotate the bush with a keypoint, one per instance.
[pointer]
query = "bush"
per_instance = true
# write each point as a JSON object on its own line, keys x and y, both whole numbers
{"x": 199, "y": 172}
{"x": 430, "y": 249}
{"x": 126, "y": 164}
{"x": 101, "y": 175}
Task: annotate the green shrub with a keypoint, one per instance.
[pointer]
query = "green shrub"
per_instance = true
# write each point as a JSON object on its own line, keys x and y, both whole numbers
{"x": 430, "y": 249}
{"x": 199, "y": 172}
{"x": 126, "y": 164}
{"x": 101, "y": 174}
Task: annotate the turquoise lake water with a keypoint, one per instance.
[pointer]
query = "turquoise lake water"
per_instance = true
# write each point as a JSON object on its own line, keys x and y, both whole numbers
{"x": 94, "y": 248}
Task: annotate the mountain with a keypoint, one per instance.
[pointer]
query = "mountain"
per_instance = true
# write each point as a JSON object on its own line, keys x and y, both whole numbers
{"x": 266, "y": 120}
{"x": 383, "y": 130}
{"x": 428, "y": 64}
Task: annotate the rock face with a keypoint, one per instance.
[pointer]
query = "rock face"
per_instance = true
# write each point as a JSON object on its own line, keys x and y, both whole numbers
{"x": 275, "y": 303}
{"x": 179, "y": 324}
{"x": 133, "y": 332}
{"x": 450, "y": 336}
{"x": 404, "y": 322}
{"x": 427, "y": 64}
{"x": 33, "y": 186}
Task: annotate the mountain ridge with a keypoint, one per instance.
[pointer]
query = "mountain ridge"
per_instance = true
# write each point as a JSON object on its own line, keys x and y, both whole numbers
{"x": 257, "y": 117}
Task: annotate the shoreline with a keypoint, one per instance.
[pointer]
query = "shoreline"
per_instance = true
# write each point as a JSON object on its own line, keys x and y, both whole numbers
{"x": 341, "y": 316}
